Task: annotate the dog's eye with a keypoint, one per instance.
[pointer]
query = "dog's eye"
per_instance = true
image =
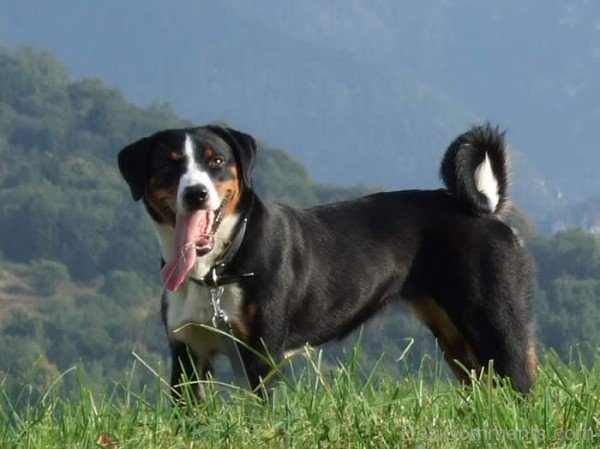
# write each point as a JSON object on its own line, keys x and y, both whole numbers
{"x": 216, "y": 162}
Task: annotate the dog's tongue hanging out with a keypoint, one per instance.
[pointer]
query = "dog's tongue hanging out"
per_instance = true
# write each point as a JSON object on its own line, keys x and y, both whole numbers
{"x": 190, "y": 230}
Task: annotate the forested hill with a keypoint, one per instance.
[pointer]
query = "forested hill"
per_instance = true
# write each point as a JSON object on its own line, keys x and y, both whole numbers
{"x": 60, "y": 195}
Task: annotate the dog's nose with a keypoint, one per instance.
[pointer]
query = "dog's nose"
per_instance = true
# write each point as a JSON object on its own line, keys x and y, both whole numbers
{"x": 194, "y": 197}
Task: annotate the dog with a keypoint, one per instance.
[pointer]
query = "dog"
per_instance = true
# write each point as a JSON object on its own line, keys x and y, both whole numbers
{"x": 299, "y": 276}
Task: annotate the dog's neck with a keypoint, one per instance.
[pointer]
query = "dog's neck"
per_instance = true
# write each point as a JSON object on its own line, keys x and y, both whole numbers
{"x": 223, "y": 238}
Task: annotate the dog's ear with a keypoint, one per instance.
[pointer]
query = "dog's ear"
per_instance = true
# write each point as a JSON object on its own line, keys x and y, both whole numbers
{"x": 244, "y": 149}
{"x": 134, "y": 163}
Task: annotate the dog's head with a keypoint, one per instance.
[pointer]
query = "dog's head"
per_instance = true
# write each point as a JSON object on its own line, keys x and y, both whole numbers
{"x": 190, "y": 179}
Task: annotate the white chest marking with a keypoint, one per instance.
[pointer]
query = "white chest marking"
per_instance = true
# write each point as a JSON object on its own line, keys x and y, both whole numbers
{"x": 195, "y": 176}
{"x": 190, "y": 306}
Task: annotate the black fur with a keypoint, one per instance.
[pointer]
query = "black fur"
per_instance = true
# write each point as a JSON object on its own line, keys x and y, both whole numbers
{"x": 134, "y": 163}
{"x": 322, "y": 271}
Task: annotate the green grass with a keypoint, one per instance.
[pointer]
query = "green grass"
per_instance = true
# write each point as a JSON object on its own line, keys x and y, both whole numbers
{"x": 323, "y": 407}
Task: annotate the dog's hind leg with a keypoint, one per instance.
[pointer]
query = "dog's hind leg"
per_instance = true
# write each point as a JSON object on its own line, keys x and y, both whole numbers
{"x": 506, "y": 338}
{"x": 473, "y": 338}
{"x": 498, "y": 317}
{"x": 453, "y": 344}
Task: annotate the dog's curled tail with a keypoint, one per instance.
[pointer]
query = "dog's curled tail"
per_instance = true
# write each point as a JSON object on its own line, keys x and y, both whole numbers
{"x": 475, "y": 170}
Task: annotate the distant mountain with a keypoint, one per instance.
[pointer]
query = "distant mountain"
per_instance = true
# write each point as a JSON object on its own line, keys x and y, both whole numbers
{"x": 532, "y": 66}
{"x": 583, "y": 214}
{"x": 355, "y": 113}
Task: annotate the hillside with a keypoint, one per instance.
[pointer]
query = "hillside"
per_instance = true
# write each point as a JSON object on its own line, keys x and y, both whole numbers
{"x": 581, "y": 214}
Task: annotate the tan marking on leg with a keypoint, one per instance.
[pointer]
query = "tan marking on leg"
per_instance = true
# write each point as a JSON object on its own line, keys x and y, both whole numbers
{"x": 532, "y": 360}
{"x": 450, "y": 339}
{"x": 250, "y": 310}
{"x": 242, "y": 328}
{"x": 241, "y": 331}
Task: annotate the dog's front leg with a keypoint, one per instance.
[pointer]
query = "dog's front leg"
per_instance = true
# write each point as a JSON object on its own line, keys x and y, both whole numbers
{"x": 184, "y": 374}
{"x": 261, "y": 363}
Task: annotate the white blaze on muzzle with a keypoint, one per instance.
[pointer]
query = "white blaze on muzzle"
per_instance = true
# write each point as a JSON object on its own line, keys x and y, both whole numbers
{"x": 192, "y": 228}
{"x": 194, "y": 176}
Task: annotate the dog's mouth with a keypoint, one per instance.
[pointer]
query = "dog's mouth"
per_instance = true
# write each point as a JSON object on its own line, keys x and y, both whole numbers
{"x": 209, "y": 226}
{"x": 194, "y": 237}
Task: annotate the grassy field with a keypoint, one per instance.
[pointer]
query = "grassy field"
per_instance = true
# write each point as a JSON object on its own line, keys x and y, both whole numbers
{"x": 323, "y": 407}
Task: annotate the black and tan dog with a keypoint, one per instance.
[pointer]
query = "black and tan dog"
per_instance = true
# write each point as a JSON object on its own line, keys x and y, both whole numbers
{"x": 322, "y": 271}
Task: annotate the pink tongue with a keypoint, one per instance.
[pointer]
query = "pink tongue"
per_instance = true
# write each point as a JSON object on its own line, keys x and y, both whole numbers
{"x": 187, "y": 230}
